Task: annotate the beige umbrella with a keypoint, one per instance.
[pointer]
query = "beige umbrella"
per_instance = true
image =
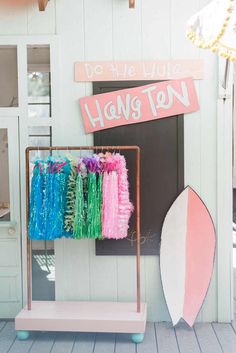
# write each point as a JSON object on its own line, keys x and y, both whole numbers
{"x": 214, "y": 27}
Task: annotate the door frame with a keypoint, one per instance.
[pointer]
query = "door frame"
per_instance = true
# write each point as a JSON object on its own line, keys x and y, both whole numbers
{"x": 13, "y": 122}
{"x": 10, "y": 231}
{"x": 21, "y": 42}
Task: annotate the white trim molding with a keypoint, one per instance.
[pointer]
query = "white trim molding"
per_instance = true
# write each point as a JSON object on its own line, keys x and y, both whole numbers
{"x": 22, "y": 42}
{"x": 224, "y": 198}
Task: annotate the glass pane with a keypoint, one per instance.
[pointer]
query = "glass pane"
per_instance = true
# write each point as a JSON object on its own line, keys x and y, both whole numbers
{"x": 8, "y": 76}
{"x": 4, "y": 177}
{"x": 39, "y": 110}
{"x": 39, "y": 85}
{"x": 38, "y": 140}
{"x": 39, "y": 130}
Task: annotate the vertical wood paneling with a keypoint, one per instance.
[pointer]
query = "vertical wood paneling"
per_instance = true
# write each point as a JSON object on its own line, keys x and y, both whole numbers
{"x": 42, "y": 22}
{"x": 208, "y": 97}
{"x": 98, "y": 29}
{"x": 181, "y": 47}
{"x": 77, "y": 269}
{"x": 224, "y": 199}
{"x": 156, "y": 28}
{"x": 72, "y": 257}
{"x": 157, "y": 309}
{"x": 98, "y": 46}
{"x": 208, "y": 161}
{"x": 13, "y": 22}
{"x": 127, "y": 31}
{"x": 126, "y": 278}
{"x": 127, "y": 23}
{"x": 103, "y": 276}
{"x": 156, "y": 23}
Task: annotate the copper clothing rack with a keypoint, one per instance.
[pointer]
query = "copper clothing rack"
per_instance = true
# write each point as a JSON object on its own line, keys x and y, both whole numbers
{"x": 44, "y": 315}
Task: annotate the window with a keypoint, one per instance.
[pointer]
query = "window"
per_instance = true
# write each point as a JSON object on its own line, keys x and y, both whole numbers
{"x": 39, "y": 82}
{"x": 39, "y": 97}
{"x": 8, "y": 77}
{"x": 4, "y": 177}
{"x": 40, "y": 135}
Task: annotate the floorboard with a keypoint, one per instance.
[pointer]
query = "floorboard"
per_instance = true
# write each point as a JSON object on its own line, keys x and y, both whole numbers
{"x": 226, "y": 337}
{"x": 23, "y": 346}
{"x": 207, "y": 339}
{"x": 7, "y": 337}
{"x": 166, "y": 338}
{"x": 84, "y": 343}
{"x": 124, "y": 344}
{"x": 159, "y": 338}
{"x": 187, "y": 340}
{"x": 64, "y": 342}
{"x": 43, "y": 343}
{"x": 2, "y": 324}
{"x": 149, "y": 344}
{"x": 234, "y": 325}
{"x": 105, "y": 343}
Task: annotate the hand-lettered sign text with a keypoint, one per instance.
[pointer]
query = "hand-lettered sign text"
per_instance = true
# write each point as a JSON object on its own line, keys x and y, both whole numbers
{"x": 140, "y": 104}
{"x": 90, "y": 71}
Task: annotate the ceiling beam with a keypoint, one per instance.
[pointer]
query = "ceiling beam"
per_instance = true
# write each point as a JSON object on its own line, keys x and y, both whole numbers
{"x": 42, "y": 4}
{"x": 131, "y": 4}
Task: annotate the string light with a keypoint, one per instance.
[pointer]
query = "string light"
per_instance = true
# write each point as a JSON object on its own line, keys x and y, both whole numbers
{"x": 216, "y": 44}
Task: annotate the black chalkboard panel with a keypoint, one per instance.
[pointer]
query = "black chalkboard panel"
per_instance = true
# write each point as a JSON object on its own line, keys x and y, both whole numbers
{"x": 162, "y": 173}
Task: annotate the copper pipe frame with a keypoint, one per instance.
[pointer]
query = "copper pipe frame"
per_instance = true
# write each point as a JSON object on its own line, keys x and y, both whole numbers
{"x": 85, "y": 148}
{"x": 28, "y": 244}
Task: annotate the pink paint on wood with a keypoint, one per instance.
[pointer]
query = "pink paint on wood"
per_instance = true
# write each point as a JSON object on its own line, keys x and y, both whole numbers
{"x": 137, "y": 70}
{"x": 188, "y": 239}
{"x": 83, "y": 317}
{"x": 140, "y": 104}
{"x": 200, "y": 248}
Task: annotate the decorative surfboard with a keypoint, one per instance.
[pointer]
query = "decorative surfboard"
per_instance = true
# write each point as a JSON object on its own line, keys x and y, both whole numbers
{"x": 187, "y": 256}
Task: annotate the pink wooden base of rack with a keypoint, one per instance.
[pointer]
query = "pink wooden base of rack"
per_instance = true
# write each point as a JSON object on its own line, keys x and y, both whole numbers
{"x": 82, "y": 317}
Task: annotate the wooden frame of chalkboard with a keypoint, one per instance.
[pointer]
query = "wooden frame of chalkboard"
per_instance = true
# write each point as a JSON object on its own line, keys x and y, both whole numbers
{"x": 162, "y": 172}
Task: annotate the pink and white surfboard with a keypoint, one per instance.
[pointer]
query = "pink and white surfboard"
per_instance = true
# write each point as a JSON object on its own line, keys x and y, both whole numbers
{"x": 187, "y": 256}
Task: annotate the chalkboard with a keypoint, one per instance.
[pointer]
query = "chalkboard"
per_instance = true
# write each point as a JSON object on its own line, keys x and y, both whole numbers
{"x": 162, "y": 173}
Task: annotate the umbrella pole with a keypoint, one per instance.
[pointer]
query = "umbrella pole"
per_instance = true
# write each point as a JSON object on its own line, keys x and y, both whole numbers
{"x": 226, "y": 74}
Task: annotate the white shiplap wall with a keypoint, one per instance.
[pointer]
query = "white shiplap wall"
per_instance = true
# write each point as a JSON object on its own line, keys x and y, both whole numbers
{"x": 106, "y": 30}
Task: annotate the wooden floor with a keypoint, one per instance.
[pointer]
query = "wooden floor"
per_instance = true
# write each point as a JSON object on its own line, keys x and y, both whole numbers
{"x": 159, "y": 338}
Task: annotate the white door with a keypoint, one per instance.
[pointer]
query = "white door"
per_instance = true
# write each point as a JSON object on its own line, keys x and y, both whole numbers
{"x": 10, "y": 230}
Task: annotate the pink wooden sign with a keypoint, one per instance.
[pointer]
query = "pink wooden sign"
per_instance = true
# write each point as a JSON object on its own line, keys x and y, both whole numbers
{"x": 138, "y": 70}
{"x": 140, "y": 104}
